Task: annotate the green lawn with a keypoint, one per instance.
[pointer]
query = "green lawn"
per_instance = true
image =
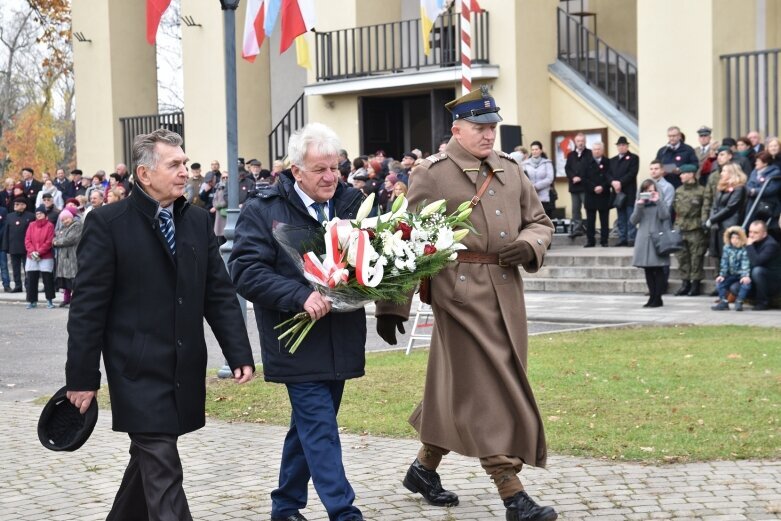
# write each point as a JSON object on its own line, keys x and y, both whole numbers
{"x": 651, "y": 394}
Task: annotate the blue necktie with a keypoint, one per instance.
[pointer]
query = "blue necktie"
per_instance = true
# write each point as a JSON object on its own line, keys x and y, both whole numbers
{"x": 167, "y": 227}
{"x": 320, "y": 211}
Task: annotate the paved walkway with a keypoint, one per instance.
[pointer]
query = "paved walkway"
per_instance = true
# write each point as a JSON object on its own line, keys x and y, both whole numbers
{"x": 231, "y": 468}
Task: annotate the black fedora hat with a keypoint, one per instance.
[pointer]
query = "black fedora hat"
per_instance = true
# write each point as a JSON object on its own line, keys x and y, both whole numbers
{"x": 62, "y": 427}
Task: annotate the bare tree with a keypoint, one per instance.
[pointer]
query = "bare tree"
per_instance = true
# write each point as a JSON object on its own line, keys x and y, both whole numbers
{"x": 17, "y": 38}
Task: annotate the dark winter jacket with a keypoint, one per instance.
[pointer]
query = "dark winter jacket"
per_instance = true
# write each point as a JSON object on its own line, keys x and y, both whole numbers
{"x": 682, "y": 155}
{"x": 15, "y": 231}
{"x": 576, "y": 166}
{"x": 597, "y": 174}
{"x": 267, "y": 276}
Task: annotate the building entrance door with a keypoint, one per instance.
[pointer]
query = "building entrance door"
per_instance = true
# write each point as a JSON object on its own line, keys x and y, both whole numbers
{"x": 397, "y": 124}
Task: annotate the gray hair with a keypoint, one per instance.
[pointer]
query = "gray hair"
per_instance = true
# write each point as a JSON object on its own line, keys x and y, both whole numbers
{"x": 598, "y": 144}
{"x": 145, "y": 150}
{"x": 321, "y": 139}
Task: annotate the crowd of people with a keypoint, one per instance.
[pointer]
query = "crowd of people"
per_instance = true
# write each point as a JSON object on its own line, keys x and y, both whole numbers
{"x": 40, "y": 227}
{"x": 704, "y": 193}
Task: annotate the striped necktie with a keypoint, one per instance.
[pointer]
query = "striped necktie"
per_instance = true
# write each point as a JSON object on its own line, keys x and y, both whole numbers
{"x": 320, "y": 211}
{"x": 167, "y": 227}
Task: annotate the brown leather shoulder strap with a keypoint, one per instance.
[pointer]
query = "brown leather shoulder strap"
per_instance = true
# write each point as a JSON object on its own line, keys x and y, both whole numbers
{"x": 481, "y": 191}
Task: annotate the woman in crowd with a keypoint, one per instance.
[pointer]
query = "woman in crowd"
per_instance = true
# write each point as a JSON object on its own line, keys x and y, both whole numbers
{"x": 359, "y": 168}
{"x": 774, "y": 149}
{"x": 650, "y": 215}
{"x": 728, "y": 206}
{"x": 386, "y": 192}
{"x": 40, "y": 258}
{"x": 763, "y": 190}
{"x": 49, "y": 188}
{"x": 114, "y": 195}
{"x": 65, "y": 242}
{"x": 539, "y": 169}
{"x": 399, "y": 189}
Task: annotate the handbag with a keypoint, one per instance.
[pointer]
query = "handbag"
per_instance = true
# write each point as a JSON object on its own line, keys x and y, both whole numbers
{"x": 424, "y": 290}
{"x": 667, "y": 241}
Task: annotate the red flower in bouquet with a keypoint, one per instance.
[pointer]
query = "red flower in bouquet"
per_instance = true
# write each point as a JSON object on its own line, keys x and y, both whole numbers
{"x": 406, "y": 230}
{"x": 429, "y": 249}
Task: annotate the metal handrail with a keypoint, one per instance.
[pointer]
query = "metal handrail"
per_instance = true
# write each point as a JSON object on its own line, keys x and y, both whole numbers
{"x": 294, "y": 119}
{"x": 396, "y": 47}
{"x": 751, "y": 82}
{"x": 615, "y": 75}
{"x": 135, "y": 125}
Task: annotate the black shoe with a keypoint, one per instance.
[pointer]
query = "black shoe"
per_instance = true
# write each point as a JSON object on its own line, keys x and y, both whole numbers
{"x": 656, "y": 303}
{"x": 696, "y": 288}
{"x": 603, "y": 244}
{"x": 16, "y": 290}
{"x": 631, "y": 244}
{"x": 589, "y": 245}
{"x": 64, "y": 304}
{"x": 7, "y": 289}
{"x": 521, "y": 507}
{"x": 427, "y": 483}
{"x": 685, "y": 288}
{"x": 622, "y": 243}
{"x": 759, "y": 306}
{"x": 293, "y": 517}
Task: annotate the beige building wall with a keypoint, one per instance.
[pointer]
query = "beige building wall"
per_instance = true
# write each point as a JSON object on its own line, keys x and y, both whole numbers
{"x": 674, "y": 88}
{"x": 115, "y": 77}
{"x": 616, "y": 24}
{"x": 203, "y": 61}
{"x": 524, "y": 65}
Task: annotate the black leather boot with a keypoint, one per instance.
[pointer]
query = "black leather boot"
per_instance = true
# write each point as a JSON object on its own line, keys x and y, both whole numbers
{"x": 695, "y": 290}
{"x": 684, "y": 289}
{"x": 427, "y": 483}
{"x": 521, "y": 507}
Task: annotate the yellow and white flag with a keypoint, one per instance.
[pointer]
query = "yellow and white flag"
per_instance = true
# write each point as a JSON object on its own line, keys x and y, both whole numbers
{"x": 429, "y": 11}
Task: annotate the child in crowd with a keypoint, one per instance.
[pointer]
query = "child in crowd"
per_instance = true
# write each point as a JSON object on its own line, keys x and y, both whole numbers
{"x": 734, "y": 267}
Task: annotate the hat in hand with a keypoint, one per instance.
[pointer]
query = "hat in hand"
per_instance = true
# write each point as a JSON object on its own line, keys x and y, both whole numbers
{"x": 62, "y": 427}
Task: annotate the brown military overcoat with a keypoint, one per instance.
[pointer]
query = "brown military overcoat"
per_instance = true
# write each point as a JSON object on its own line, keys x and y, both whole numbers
{"x": 477, "y": 400}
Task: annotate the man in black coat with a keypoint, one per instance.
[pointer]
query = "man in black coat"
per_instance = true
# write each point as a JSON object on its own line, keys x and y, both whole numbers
{"x": 596, "y": 182}
{"x": 333, "y": 351}
{"x": 674, "y": 154}
{"x": 624, "y": 168}
{"x": 764, "y": 253}
{"x": 31, "y": 186}
{"x": 13, "y": 238}
{"x": 63, "y": 184}
{"x": 578, "y": 161}
{"x": 149, "y": 273}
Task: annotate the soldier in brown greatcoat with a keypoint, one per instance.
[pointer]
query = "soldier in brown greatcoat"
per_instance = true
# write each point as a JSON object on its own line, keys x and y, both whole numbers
{"x": 477, "y": 399}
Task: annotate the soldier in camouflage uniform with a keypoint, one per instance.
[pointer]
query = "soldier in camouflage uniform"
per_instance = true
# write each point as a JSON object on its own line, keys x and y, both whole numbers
{"x": 690, "y": 213}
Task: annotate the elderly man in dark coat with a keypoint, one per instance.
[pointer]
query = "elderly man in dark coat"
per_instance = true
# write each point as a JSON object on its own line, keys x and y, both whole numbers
{"x": 334, "y": 349}
{"x": 149, "y": 272}
{"x": 480, "y": 336}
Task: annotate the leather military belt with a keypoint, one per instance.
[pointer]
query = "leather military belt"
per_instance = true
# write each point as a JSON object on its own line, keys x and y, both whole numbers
{"x": 474, "y": 257}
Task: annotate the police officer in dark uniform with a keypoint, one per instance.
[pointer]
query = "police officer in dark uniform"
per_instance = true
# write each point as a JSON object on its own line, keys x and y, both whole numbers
{"x": 689, "y": 204}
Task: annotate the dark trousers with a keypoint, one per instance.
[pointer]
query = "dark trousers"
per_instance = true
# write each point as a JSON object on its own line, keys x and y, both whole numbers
{"x": 32, "y": 285}
{"x": 4, "y": 270}
{"x": 151, "y": 489}
{"x": 626, "y": 230}
{"x": 656, "y": 282}
{"x": 604, "y": 225}
{"x": 766, "y": 285}
{"x": 312, "y": 449}
{"x": 16, "y": 265}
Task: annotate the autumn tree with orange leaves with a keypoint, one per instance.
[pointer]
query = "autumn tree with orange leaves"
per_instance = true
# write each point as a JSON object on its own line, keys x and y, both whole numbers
{"x": 36, "y": 87}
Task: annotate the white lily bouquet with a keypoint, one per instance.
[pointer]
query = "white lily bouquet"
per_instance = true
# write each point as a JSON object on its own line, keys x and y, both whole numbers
{"x": 354, "y": 262}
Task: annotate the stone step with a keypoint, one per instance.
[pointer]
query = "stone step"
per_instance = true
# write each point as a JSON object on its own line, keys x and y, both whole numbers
{"x": 634, "y": 286}
{"x": 603, "y": 272}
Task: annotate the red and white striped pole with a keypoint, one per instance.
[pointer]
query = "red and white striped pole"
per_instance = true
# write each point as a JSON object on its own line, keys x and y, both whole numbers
{"x": 466, "y": 47}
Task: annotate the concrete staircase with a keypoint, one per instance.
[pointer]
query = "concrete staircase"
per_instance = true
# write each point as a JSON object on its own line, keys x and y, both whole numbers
{"x": 571, "y": 268}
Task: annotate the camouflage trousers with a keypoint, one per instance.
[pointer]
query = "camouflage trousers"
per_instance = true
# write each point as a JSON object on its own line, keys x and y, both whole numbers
{"x": 690, "y": 258}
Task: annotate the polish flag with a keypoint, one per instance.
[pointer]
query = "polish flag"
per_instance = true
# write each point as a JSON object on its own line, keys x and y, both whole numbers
{"x": 154, "y": 12}
{"x": 253, "y": 30}
{"x": 298, "y": 17}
